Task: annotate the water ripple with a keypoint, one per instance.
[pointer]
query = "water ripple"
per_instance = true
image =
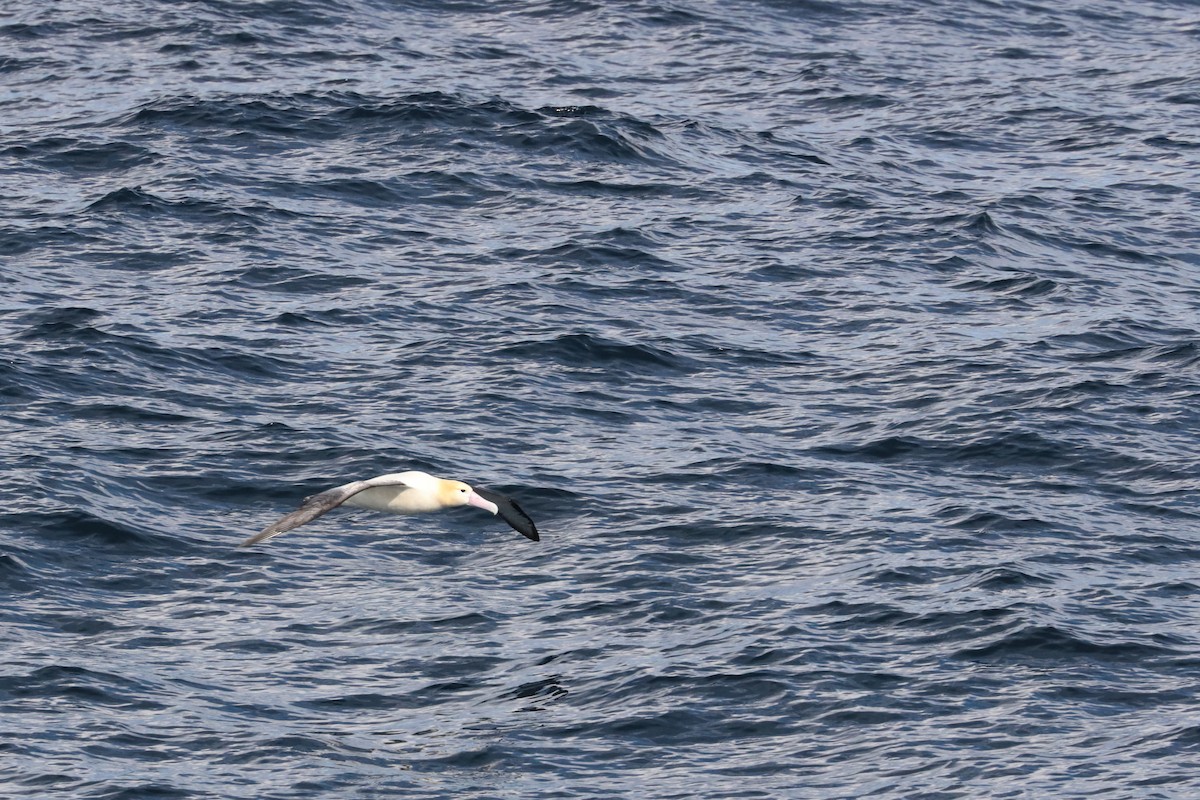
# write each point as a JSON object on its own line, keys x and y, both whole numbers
{"x": 845, "y": 354}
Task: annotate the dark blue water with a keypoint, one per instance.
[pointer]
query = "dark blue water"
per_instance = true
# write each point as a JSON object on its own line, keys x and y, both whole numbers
{"x": 847, "y": 355}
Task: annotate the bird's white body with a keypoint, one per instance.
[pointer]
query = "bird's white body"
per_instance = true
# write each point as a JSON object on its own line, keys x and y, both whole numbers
{"x": 410, "y": 492}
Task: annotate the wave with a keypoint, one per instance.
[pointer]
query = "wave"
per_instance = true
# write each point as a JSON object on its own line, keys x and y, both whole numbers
{"x": 582, "y": 350}
{"x": 1055, "y": 644}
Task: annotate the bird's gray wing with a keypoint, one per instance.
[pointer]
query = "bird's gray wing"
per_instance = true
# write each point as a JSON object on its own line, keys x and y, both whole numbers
{"x": 512, "y": 513}
{"x": 310, "y": 509}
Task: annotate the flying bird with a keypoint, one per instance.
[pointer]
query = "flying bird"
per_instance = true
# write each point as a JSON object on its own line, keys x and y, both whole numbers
{"x": 402, "y": 493}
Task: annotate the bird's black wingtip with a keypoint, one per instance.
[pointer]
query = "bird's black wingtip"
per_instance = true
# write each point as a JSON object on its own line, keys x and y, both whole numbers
{"x": 516, "y": 517}
{"x": 511, "y": 513}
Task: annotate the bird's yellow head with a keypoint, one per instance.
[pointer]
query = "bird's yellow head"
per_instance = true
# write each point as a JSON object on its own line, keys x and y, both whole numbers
{"x": 457, "y": 493}
{"x": 454, "y": 493}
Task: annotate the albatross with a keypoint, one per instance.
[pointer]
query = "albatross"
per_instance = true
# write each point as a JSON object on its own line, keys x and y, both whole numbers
{"x": 402, "y": 493}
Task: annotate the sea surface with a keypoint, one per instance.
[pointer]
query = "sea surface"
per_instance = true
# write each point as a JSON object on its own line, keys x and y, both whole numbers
{"x": 847, "y": 355}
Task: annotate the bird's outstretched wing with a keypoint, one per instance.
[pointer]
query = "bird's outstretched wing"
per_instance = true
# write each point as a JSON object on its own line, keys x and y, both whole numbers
{"x": 512, "y": 513}
{"x": 310, "y": 509}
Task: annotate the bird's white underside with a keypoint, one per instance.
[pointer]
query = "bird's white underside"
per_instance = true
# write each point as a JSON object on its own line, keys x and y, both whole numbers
{"x": 395, "y": 499}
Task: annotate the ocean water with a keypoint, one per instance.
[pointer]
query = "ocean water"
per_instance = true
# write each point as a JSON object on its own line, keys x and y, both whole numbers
{"x": 847, "y": 355}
